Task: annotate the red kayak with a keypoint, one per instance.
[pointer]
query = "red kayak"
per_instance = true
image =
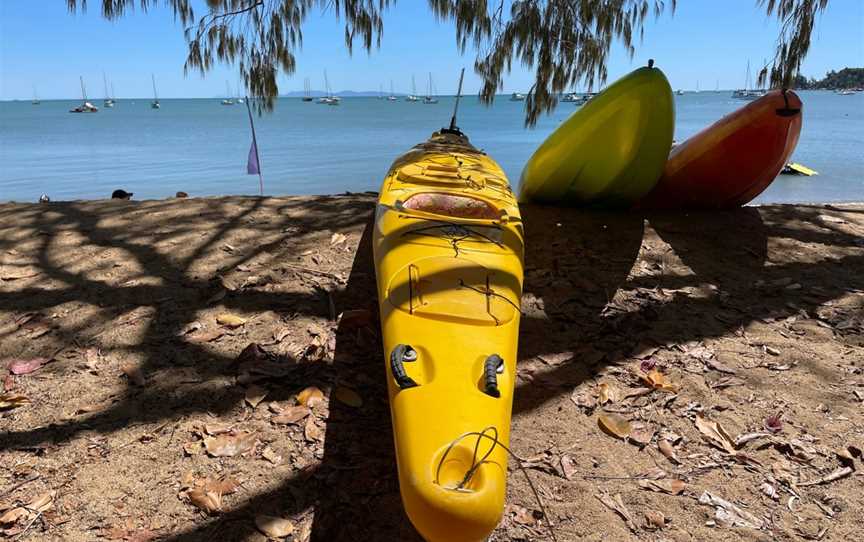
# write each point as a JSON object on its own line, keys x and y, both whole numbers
{"x": 732, "y": 161}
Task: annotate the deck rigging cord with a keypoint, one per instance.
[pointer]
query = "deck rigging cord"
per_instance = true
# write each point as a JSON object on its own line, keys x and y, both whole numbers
{"x": 455, "y": 233}
{"x": 475, "y": 465}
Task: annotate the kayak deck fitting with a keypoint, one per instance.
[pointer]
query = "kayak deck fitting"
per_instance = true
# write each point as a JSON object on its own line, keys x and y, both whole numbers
{"x": 448, "y": 249}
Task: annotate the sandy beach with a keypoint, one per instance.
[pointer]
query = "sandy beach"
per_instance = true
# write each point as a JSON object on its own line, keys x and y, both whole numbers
{"x": 161, "y": 346}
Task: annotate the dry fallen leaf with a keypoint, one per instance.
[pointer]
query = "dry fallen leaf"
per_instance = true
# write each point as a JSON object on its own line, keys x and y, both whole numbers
{"x": 274, "y": 527}
{"x": 26, "y": 366}
{"x": 230, "y": 445}
{"x": 214, "y": 429}
{"x": 271, "y": 456}
{"x": 291, "y": 415}
{"x": 729, "y": 514}
{"x": 12, "y": 400}
{"x": 311, "y": 430}
{"x": 668, "y": 450}
{"x": 669, "y": 486}
{"x": 134, "y": 374}
{"x": 658, "y": 381}
{"x": 842, "y": 472}
{"x": 616, "y": 505}
{"x": 337, "y": 238}
{"x": 641, "y": 433}
{"x": 12, "y": 516}
{"x": 716, "y": 434}
{"x": 255, "y": 394}
{"x": 230, "y": 320}
{"x": 568, "y": 466}
{"x": 614, "y": 424}
{"x": 524, "y": 516}
{"x": 92, "y": 357}
{"x": 208, "y": 501}
{"x": 606, "y": 393}
{"x": 310, "y": 397}
{"x": 654, "y": 520}
{"x": 583, "y": 399}
{"x": 348, "y": 397}
{"x": 774, "y": 423}
{"x": 223, "y": 486}
{"x": 193, "y": 448}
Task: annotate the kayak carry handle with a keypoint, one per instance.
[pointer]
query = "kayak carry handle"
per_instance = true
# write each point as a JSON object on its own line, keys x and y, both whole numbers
{"x": 402, "y": 353}
{"x": 493, "y": 365}
{"x": 787, "y": 111}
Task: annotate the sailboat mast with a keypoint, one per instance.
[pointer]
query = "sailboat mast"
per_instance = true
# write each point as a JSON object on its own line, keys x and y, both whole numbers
{"x": 105, "y": 82}
{"x": 155, "y": 96}
{"x": 453, "y": 128}
{"x": 413, "y": 86}
{"x": 83, "y": 92}
{"x": 326, "y": 85}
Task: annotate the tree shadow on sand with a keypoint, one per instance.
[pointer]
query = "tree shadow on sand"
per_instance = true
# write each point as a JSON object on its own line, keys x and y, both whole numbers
{"x": 592, "y": 288}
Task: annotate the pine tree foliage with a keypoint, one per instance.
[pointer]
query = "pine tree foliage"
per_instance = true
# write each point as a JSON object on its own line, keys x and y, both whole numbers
{"x": 565, "y": 42}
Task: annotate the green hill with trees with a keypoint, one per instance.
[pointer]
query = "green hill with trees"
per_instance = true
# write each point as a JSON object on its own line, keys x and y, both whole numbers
{"x": 845, "y": 78}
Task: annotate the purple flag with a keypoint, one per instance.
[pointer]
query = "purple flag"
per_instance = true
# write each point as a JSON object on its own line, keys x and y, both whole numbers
{"x": 252, "y": 167}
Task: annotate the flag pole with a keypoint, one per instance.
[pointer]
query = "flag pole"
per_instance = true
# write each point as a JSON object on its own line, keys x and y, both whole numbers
{"x": 255, "y": 144}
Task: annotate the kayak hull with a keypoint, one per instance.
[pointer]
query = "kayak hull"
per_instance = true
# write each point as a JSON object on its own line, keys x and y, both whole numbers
{"x": 611, "y": 151}
{"x": 732, "y": 161}
{"x": 448, "y": 250}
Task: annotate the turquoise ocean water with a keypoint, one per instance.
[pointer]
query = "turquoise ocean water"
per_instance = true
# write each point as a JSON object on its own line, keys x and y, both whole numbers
{"x": 200, "y": 147}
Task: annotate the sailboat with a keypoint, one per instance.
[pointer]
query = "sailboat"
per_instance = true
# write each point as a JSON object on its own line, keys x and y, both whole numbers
{"x": 517, "y": 97}
{"x": 413, "y": 96}
{"x": 392, "y": 97}
{"x": 85, "y": 107}
{"x": 227, "y": 100}
{"x": 107, "y": 102}
{"x": 329, "y": 99}
{"x": 238, "y": 99}
{"x": 430, "y": 95}
{"x": 36, "y": 100}
{"x": 307, "y": 90}
{"x": 747, "y": 93}
{"x": 155, "y": 103}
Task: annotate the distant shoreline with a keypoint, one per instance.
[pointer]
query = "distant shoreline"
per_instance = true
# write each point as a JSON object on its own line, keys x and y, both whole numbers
{"x": 342, "y": 94}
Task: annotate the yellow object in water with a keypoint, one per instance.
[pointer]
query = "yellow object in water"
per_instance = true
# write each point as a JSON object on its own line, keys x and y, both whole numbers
{"x": 794, "y": 168}
{"x": 448, "y": 247}
{"x": 611, "y": 151}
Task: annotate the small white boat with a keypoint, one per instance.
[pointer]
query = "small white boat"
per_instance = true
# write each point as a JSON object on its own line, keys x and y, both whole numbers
{"x": 107, "y": 102}
{"x": 430, "y": 94}
{"x": 392, "y": 97}
{"x": 846, "y": 92}
{"x": 329, "y": 99}
{"x": 517, "y": 97}
{"x": 413, "y": 96}
{"x": 85, "y": 107}
{"x": 227, "y": 100}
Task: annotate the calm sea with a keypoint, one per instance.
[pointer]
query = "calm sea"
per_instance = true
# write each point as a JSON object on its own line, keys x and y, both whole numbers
{"x": 200, "y": 146}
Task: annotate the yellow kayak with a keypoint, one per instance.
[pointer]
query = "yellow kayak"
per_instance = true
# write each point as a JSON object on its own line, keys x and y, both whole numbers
{"x": 611, "y": 151}
{"x": 448, "y": 247}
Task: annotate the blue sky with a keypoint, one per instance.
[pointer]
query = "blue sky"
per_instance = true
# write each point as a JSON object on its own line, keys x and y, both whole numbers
{"x": 706, "y": 41}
